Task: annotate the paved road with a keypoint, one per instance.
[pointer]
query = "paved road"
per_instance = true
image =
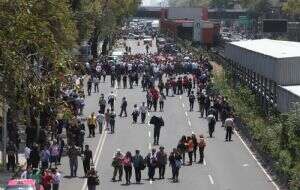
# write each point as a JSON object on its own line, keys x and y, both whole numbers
{"x": 228, "y": 165}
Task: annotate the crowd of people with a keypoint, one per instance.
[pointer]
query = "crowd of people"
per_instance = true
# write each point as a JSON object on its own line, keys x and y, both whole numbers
{"x": 160, "y": 76}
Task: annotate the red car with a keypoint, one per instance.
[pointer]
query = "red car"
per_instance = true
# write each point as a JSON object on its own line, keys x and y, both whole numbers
{"x": 23, "y": 184}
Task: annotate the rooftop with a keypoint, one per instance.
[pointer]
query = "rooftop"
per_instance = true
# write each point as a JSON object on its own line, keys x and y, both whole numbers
{"x": 293, "y": 89}
{"x": 274, "y": 48}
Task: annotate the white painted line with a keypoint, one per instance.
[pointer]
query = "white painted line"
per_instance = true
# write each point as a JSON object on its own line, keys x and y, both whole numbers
{"x": 95, "y": 157}
{"x": 149, "y": 133}
{"x": 148, "y": 123}
{"x": 204, "y": 162}
{"x": 100, "y": 151}
{"x": 149, "y": 146}
{"x": 183, "y": 105}
{"x": 148, "y": 114}
{"x": 258, "y": 163}
{"x": 151, "y": 182}
{"x": 180, "y": 97}
{"x": 211, "y": 179}
{"x": 190, "y": 124}
{"x": 245, "y": 165}
{"x": 186, "y": 114}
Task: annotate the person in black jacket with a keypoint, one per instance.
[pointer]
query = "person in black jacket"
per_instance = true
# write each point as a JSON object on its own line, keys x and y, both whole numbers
{"x": 87, "y": 159}
{"x": 158, "y": 122}
{"x": 123, "y": 107}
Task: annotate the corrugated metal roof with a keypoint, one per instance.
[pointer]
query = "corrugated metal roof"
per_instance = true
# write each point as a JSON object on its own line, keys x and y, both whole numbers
{"x": 293, "y": 89}
{"x": 273, "y": 48}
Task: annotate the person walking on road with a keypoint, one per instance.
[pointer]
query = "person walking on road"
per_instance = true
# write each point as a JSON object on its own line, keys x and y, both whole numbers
{"x": 89, "y": 86}
{"x": 192, "y": 101}
{"x": 143, "y": 111}
{"x": 190, "y": 148}
{"x": 100, "y": 120}
{"x": 123, "y": 107}
{"x": 175, "y": 163}
{"x": 111, "y": 100}
{"x": 139, "y": 165}
{"x": 182, "y": 148}
{"x": 135, "y": 114}
{"x": 127, "y": 163}
{"x": 162, "y": 159}
{"x": 112, "y": 121}
{"x": 124, "y": 81}
{"x": 151, "y": 161}
{"x": 87, "y": 159}
{"x": 102, "y": 104}
{"x": 92, "y": 123}
{"x": 201, "y": 102}
{"x": 45, "y": 158}
{"x": 73, "y": 154}
{"x": 211, "y": 124}
{"x": 195, "y": 143}
{"x": 229, "y": 126}
{"x": 107, "y": 119}
{"x": 158, "y": 122}
{"x": 117, "y": 165}
{"x": 201, "y": 145}
{"x": 96, "y": 82}
{"x": 92, "y": 179}
{"x": 56, "y": 179}
{"x": 162, "y": 99}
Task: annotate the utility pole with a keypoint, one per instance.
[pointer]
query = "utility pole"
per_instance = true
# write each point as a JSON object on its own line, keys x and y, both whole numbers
{"x": 4, "y": 132}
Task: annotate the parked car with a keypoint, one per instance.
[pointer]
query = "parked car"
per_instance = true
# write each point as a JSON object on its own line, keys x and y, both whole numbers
{"x": 23, "y": 184}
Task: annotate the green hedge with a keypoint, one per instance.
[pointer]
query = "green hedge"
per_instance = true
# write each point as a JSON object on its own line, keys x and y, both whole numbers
{"x": 276, "y": 137}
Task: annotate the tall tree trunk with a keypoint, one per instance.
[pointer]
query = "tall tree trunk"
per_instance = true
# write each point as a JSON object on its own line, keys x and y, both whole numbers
{"x": 94, "y": 46}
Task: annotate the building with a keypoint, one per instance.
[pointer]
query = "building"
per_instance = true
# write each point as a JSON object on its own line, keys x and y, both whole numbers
{"x": 188, "y": 23}
{"x": 270, "y": 68}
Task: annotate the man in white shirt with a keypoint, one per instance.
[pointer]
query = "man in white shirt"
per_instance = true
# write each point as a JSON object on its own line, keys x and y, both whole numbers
{"x": 229, "y": 126}
{"x": 27, "y": 151}
{"x": 100, "y": 120}
{"x": 111, "y": 100}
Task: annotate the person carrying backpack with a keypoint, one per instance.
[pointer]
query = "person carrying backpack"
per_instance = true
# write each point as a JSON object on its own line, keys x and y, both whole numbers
{"x": 211, "y": 124}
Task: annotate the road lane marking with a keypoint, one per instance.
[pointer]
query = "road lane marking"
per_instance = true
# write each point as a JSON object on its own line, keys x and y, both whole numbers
{"x": 189, "y": 122}
{"x": 149, "y": 133}
{"x": 95, "y": 157}
{"x": 100, "y": 150}
{"x": 151, "y": 182}
{"x": 186, "y": 114}
{"x": 149, "y": 146}
{"x": 258, "y": 163}
{"x": 180, "y": 97}
{"x": 204, "y": 162}
{"x": 211, "y": 179}
{"x": 183, "y": 105}
{"x": 245, "y": 165}
{"x": 149, "y": 123}
{"x": 148, "y": 114}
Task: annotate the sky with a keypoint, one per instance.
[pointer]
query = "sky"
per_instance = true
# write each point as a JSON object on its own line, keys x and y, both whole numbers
{"x": 151, "y": 2}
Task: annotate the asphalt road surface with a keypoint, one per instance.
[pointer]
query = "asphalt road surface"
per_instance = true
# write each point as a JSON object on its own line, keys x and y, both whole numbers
{"x": 227, "y": 166}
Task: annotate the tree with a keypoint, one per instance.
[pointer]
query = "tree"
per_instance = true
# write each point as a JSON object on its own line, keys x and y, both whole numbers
{"x": 292, "y": 7}
{"x": 257, "y": 8}
{"x": 36, "y": 39}
{"x": 221, "y": 4}
{"x": 188, "y": 3}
